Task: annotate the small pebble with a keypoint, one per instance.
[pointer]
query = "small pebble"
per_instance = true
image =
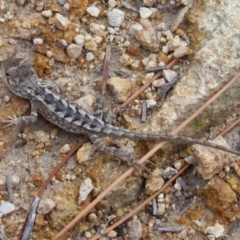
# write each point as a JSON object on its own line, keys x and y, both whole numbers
{"x": 93, "y": 11}
{"x": 38, "y": 41}
{"x": 92, "y": 217}
{"x": 87, "y": 234}
{"x": 6, "y": 207}
{"x": 6, "y": 98}
{"x": 63, "y": 42}
{"x": 169, "y": 74}
{"x": 65, "y": 148}
{"x": 74, "y": 50}
{"x": 112, "y": 234}
{"x": 45, "y": 206}
{"x": 61, "y": 2}
{"x": 47, "y": 13}
{"x": 79, "y": 39}
{"x": 90, "y": 56}
{"x": 61, "y": 22}
{"x": 66, "y": 6}
{"x": 182, "y": 51}
{"x": 145, "y": 12}
{"x": 85, "y": 188}
{"x": 115, "y": 17}
{"x": 151, "y": 103}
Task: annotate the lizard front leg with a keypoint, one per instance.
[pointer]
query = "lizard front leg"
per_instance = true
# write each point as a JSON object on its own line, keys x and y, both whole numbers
{"x": 25, "y": 120}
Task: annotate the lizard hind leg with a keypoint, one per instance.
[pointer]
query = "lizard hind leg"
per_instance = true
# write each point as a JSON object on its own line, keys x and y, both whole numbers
{"x": 130, "y": 158}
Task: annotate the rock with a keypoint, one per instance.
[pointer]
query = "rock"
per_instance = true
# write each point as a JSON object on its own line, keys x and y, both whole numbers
{"x": 182, "y": 51}
{"x": 37, "y": 41}
{"x": 161, "y": 208}
{"x": 217, "y": 230}
{"x": 149, "y": 3}
{"x": 112, "y": 234}
{"x": 63, "y": 42}
{"x": 85, "y": 152}
{"x": 126, "y": 60}
{"x": 115, "y": 17}
{"x": 220, "y": 198}
{"x": 6, "y": 207}
{"x": 145, "y": 12}
{"x": 90, "y": 56}
{"x": 234, "y": 182}
{"x": 85, "y": 188}
{"x": 121, "y": 88}
{"x": 79, "y": 39}
{"x": 74, "y": 50}
{"x": 134, "y": 229}
{"x": 148, "y": 40}
{"x": 134, "y": 29}
{"x": 151, "y": 103}
{"x": 45, "y": 206}
{"x": 65, "y": 149}
{"x": 47, "y": 13}
{"x": 211, "y": 161}
{"x": 41, "y": 136}
{"x": 154, "y": 183}
{"x": 61, "y": 22}
{"x": 93, "y": 11}
{"x": 175, "y": 42}
{"x": 169, "y": 74}
{"x": 162, "y": 57}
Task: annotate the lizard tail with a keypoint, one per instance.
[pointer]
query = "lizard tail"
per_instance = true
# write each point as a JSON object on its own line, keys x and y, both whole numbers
{"x": 164, "y": 137}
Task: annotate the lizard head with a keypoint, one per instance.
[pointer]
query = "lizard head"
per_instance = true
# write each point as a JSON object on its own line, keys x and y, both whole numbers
{"x": 19, "y": 76}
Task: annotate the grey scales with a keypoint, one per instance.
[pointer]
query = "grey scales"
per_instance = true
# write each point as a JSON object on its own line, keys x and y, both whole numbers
{"x": 22, "y": 80}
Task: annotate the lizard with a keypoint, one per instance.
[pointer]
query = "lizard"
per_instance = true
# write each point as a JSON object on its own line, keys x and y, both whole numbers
{"x": 23, "y": 81}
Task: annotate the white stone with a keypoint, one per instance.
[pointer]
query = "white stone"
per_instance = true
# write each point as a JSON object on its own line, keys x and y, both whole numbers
{"x": 161, "y": 208}
{"x": 74, "y": 50}
{"x": 217, "y": 230}
{"x": 6, "y": 207}
{"x": 145, "y": 12}
{"x": 149, "y": 3}
{"x": 46, "y": 206}
{"x": 90, "y": 56}
{"x": 65, "y": 148}
{"x": 134, "y": 29}
{"x": 158, "y": 82}
{"x": 112, "y": 4}
{"x": 61, "y": 22}
{"x": 63, "y": 42}
{"x": 168, "y": 34}
{"x": 115, "y": 17}
{"x": 79, "y": 39}
{"x": 85, "y": 188}
{"x": 169, "y": 74}
{"x": 95, "y": 27}
{"x": 93, "y": 11}
{"x": 85, "y": 152}
{"x": 38, "y": 41}
{"x": 151, "y": 103}
{"x": 165, "y": 49}
{"x": 182, "y": 51}
{"x": 47, "y": 13}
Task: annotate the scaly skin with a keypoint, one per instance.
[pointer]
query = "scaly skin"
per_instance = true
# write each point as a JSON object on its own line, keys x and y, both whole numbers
{"x": 22, "y": 80}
